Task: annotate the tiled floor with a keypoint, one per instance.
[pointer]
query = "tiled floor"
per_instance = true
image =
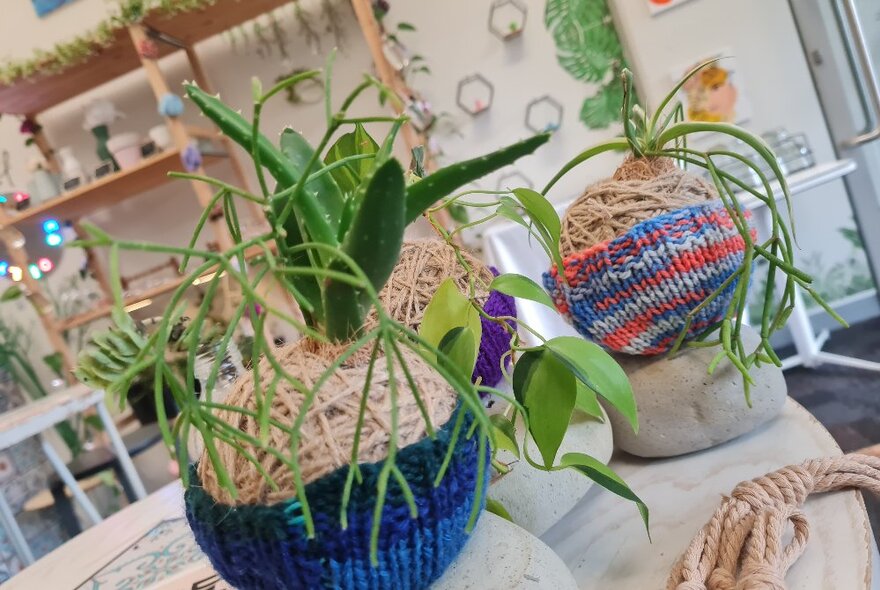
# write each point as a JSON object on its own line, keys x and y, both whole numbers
{"x": 846, "y": 401}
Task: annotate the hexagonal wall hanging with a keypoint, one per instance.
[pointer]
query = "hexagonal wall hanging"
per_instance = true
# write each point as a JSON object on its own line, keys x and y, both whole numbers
{"x": 507, "y": 19}
{"x": 513, "y": 179}
{"x": 544, "y": 114}
{"x": 475, "y": 94}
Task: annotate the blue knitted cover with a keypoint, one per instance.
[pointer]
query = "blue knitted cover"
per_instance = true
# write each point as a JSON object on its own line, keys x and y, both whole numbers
{"x": 632, "y": 293}
{"x": 264, "y": 547}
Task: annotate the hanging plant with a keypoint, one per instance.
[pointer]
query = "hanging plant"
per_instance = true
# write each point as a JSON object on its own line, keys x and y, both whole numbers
{"x": 656, "y": 259}
{"x": 365, "y": 443}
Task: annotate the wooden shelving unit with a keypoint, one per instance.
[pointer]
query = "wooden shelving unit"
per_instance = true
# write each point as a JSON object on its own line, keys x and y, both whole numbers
{"x": 107, "y": 191}
{"x": 32, "y": 96}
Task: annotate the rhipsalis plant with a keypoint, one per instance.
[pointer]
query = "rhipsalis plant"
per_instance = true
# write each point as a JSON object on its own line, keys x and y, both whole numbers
{"x": 336, "y": 216}
{"x": 663, "y": 137}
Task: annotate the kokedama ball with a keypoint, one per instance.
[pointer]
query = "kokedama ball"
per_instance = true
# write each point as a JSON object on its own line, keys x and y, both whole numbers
{"x": 640, "y": 251}
{"x": 423, "y": 266}
{"x": 259, "y": 540}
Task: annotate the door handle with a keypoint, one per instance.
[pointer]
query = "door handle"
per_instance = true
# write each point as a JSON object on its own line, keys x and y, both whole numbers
{"x": 859, "y": 45}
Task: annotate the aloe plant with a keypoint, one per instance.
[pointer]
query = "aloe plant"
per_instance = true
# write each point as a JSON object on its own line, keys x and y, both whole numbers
{"x": 336, "y": 216}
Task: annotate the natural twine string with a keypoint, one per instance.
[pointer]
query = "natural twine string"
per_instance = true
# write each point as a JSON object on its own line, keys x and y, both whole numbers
{"x": 741, "y": 548}
{"x": 640, "y": 189}
{"x": 423, "y": 266}
{"x": 327, "y": 435}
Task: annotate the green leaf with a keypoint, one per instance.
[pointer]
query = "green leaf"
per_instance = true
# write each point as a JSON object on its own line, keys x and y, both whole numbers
{"x": 605, "y": 477}
{"x": 373, "y": 242}
{"x": 587, "y": 402}
{"x": 602, "y": 109}
{"x": 11, "y": 294}
{"x": 450, "y": 309}
{"x": 498, "y": 509}
{"x": 547, "y": 389}
{"x": 505, "y": 434}
{"x": 517, "y": 285}
{"x": 405, "y": 26}
{"x": 598, "y": 370}
{"x": 323, "y": 188}
{"x": 445, "y": 181}
{"x": 544, "y": 217}
{"x": 355, "y": 143}
{"x": 459, "y": 350}
{"x": 54, "y": 362}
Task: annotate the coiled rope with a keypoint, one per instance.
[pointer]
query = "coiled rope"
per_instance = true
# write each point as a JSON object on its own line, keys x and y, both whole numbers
{"x": 741, "y": 548}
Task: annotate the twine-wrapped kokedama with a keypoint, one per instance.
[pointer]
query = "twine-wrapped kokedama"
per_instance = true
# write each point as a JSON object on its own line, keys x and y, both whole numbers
{"x": 423, "y": 266}
{"x": 259, "y": 539}
{"x": 640, "y": 251}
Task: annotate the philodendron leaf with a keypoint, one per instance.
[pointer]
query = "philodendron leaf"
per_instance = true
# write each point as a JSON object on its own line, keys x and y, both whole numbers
{"x": 445, "y": 181}
{"x": 587, "y": 403}
{"x": 460, "y": 350}
{"x": 605, "y": 477}
{"x": 355, "y": 143}
{"x": 505, "y": 434}
{"x": 450, "y": 309}
{"x": 373, "y": 242}
{"x": 547, "y": 389}
{"x": 598, "y": 370}
{"x": 517, "y": 285}
{"x": 544, "y": 218}
{"x": 498, "y": 509}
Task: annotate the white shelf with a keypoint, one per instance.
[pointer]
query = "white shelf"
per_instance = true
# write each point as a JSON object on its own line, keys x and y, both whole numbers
{"x": 802, "y": 181}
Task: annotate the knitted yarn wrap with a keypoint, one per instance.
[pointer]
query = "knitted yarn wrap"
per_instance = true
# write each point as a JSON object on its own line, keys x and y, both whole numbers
{"x": 641, "y": 189}
{"x": 261, "y": 547}
{"x": 741, "y": 547}
{"x": 327, "y": 434}
{"x": 633, "y": 293}
{"x": 423, "y": 266}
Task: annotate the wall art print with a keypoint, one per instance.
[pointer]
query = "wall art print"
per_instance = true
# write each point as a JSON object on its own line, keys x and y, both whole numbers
{"x": 716, "y": 94}
{"x": 658, "y": 6}
{"x": 44, "y": 7}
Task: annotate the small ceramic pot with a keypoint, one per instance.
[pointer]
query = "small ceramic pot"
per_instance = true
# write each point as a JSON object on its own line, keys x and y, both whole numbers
{"x": 126, "y": 149}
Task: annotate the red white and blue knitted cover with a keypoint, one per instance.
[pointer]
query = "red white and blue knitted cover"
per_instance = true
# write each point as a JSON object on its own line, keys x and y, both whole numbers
{"x": 632, "y": 294}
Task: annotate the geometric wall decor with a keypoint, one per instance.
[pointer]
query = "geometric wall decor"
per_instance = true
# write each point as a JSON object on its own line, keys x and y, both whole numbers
{"x": 475, "y": 94}
{"x": 544, "y": 114}
{"x": 507, "y": 19}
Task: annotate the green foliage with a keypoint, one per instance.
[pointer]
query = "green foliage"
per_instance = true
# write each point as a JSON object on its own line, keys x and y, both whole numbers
{"x": 605, "y": 477}
{"x": 111, "y": 353}
{"x": 522, "y": 287}
{"x": 449, "y": 310}
{"x": 498, "y": 509}
{"x": 588, "y": 48}
{"x": 547, "y": 392}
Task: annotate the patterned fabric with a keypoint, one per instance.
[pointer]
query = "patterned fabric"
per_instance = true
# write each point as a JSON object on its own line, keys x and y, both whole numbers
{"x": 632, "y": 294}
{"x": 265, "y": 547}
{"x": 495, "y": 340}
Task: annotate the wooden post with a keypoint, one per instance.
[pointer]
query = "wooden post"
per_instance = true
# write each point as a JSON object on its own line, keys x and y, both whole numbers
{"x": 14, "y": 243}
{"x": 94, "y": 264}
{"x": 178, "y": 131}
{"x": 45, "y": 149}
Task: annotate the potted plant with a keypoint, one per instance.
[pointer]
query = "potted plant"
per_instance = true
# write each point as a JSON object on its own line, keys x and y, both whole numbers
{"x": 657, "y": 260}
{"x": 357, "y": 456}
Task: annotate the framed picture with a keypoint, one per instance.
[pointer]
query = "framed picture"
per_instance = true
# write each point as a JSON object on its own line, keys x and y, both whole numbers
{"x": 658, "y": 6}
{"x": 716, "y": 93}
{"x": 44, "y": 7}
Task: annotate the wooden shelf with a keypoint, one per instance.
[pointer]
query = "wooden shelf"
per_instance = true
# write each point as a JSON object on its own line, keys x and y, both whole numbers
{"x": 103, "y": 310}
{"x": 107, "y": 191}
{"x": 38, "y": 93}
